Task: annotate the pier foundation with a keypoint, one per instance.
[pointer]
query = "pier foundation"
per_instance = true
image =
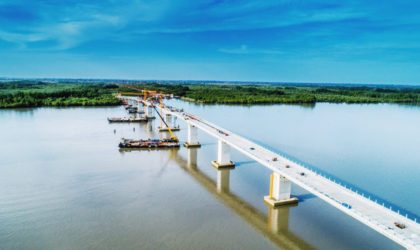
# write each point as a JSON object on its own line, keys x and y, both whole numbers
{"x": 165, "y": 129}
{"x": 192, "y": 141}
{"x": 223, "y": 156}
{"x": 280, "y": 189}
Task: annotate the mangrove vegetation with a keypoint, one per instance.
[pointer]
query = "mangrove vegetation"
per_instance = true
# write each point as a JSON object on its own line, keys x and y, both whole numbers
{"x": 266, "y": 94}
{"x": 41, "y": 93}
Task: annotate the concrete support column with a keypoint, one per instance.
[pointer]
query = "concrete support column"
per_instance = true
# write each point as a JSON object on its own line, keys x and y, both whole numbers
{"x": 150, "y": 126}
{"x": 192, "y": 158}
{"x": 280, "y": 189}
{"x": 167, "y": 135}
{"x": 168, "y": 120}
{"x": 192, "y": 137}
{"x": 149, "y": 112}
{"x": 223, "y": 180}
{"x": 140, "y": 108}
{"x": 223, "y": 156}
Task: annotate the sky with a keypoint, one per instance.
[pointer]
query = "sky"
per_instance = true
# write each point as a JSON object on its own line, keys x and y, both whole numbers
{"x": 341, "y": 41}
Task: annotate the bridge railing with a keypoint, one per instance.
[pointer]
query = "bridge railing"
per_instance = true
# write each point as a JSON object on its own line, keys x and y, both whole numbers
{"x": 366, "y": 194}
{"x": 360, "y": 191}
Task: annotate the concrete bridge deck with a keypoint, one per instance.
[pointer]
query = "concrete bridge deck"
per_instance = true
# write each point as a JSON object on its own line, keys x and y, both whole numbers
{"x": 374, "y": 215}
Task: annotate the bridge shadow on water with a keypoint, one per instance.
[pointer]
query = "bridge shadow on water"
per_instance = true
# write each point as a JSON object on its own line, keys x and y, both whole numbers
{"x": 304, "y": 197}
{"x": 242, "y": 163}
{"x": 274, "y": 227}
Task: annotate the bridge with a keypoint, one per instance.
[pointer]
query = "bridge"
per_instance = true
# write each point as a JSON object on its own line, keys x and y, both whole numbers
{"x": 394, "y": 225}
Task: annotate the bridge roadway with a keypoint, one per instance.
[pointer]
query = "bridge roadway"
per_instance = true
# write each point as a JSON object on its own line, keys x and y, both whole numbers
{"x": 372, "y": 214}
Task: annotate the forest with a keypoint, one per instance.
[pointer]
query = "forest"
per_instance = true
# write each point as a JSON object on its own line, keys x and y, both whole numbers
{"x": 42, "y": 93}
{"x": 266, "y": 94}
{"x": 36, "y": 94}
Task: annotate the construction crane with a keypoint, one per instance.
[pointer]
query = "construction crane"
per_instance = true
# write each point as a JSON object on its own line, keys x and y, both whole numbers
{"x": 170, "y": 131}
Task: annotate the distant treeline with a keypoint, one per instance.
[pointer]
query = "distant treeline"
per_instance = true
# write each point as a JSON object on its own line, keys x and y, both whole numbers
{"x": 265, "y": 94}
{"x": 36, "y": 94}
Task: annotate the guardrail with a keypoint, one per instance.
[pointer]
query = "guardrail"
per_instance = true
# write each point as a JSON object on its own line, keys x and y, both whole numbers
{"x": 366, "y": 194}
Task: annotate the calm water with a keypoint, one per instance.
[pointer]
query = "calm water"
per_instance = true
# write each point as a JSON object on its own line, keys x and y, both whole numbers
{"x": 65, "y": 185}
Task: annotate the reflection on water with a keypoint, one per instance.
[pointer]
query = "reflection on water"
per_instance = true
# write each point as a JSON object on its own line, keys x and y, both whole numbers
{"x": 274, "y": 226}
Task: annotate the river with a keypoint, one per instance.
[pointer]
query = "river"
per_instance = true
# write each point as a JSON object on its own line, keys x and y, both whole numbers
{"x": 64, "y": 183}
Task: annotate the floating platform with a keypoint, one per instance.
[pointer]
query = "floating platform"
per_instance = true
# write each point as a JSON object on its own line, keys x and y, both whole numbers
{"x": 124, "y": 150}
{"x": 165, "y": 129}
{"x": 150, "y": 143}
{"x": 132, "y": 119}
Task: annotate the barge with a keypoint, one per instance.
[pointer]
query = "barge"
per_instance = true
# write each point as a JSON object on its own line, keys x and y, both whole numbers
{"x": 150, "y": 143}
{"x": 131, "y": 119}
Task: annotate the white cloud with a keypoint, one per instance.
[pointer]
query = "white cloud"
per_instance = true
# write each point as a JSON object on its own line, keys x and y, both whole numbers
{"x": 243, "y": 49}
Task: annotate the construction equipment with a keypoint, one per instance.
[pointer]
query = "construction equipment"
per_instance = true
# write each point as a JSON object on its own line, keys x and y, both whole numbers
{"x": 170, "y": 131}
{"x": 149, "y": 143}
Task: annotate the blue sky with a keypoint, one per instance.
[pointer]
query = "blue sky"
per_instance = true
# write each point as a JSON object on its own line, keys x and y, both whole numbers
{"x": 260, "y": 40}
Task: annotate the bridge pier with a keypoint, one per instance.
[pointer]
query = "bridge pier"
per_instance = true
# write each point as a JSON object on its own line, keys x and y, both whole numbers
{"x": 280, "y": 189}
{"x": 149, "y": 112}
{"x": 140, "y": 107}
{"x": 192, "y": 137}
{"x": 169, "y": 121}
{"x": 223, "y": 156}
{"x": 167, "y": 135}
{"x": 149, "y": 126}
{"x": 223, "y": 176}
